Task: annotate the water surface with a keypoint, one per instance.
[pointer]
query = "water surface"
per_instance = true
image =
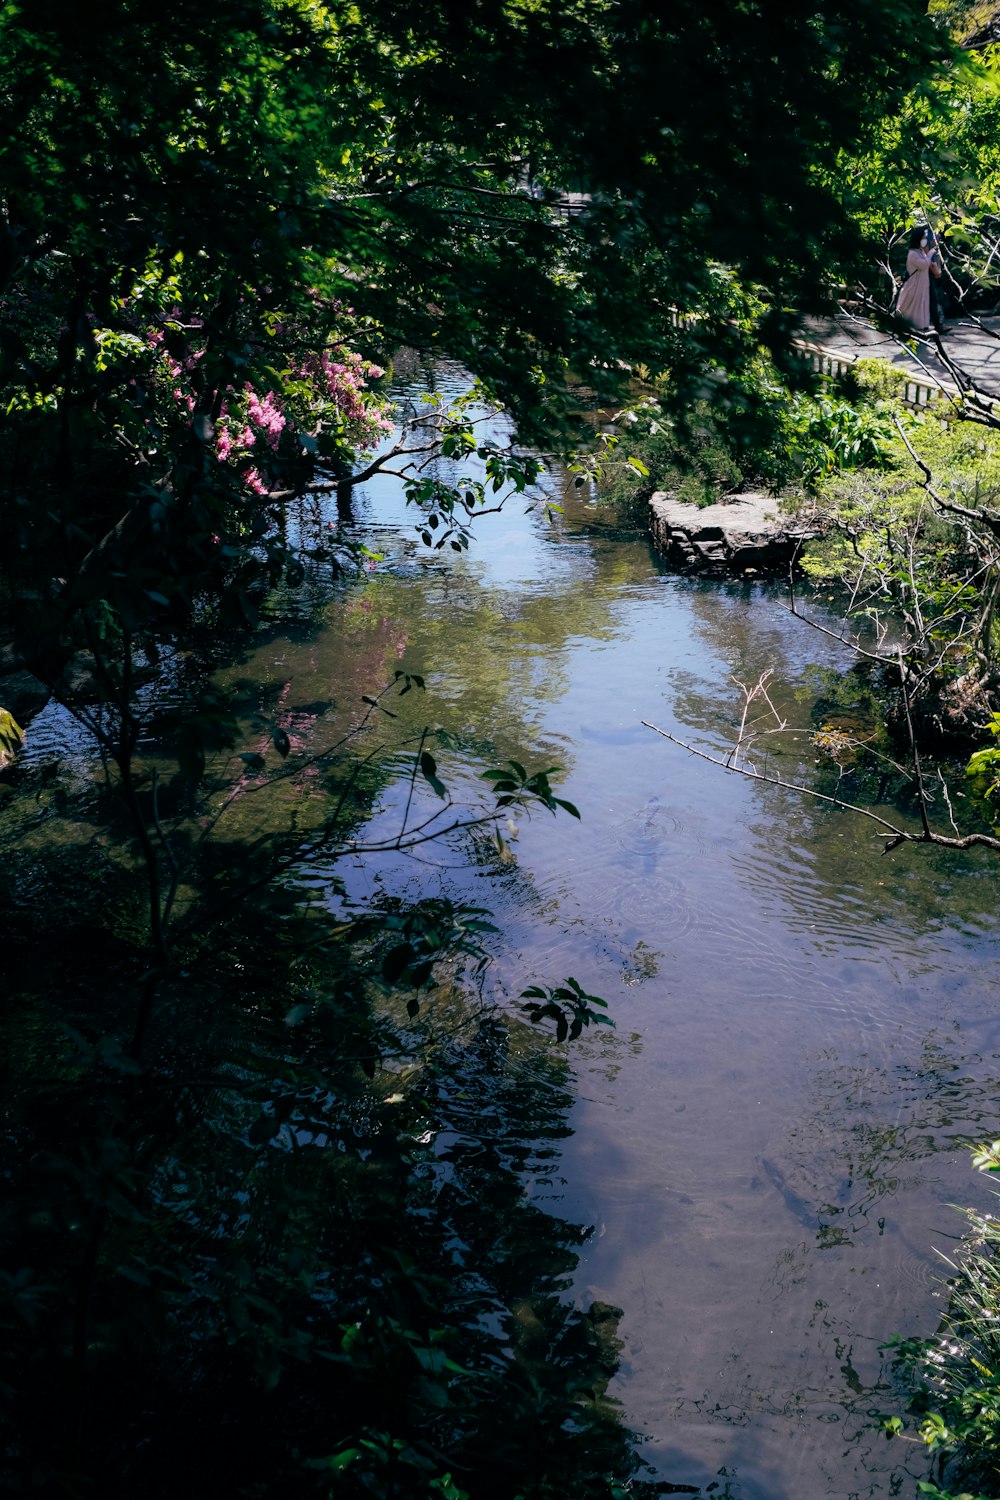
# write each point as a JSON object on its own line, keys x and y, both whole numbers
{"x": 806, "y": 1032}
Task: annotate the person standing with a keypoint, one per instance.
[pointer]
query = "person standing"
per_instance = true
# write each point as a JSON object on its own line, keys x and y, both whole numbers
{"x": 938, "y": 299}
{"x": 914, "y": 300}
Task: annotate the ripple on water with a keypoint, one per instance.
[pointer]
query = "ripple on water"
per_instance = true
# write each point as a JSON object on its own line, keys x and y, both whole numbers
{"x": 657, "y": 832}
{"x": 731, "y": 949}
{"x": 628, "y": 884}
{"x": 54, "y": 734}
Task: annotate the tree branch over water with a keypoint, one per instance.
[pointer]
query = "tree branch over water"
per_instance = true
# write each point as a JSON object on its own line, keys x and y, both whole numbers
{"x": 896, "y": 835}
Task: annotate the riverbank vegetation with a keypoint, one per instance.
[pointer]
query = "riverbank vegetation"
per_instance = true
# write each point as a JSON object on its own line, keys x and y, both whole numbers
{"x": 955, "y": 1400}
{"x": 265, "y": 1145}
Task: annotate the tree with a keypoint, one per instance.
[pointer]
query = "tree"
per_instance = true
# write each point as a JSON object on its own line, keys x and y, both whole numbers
{"x": 195, "y": 209}
{"x": 216, "y": 229}
{"x": 934, "y": 161}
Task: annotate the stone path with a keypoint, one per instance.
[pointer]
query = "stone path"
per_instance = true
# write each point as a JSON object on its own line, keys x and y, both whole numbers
{"x": 976, "y": 350}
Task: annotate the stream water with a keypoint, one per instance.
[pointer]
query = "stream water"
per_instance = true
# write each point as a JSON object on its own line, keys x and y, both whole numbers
{"x": 806, "y": 1033}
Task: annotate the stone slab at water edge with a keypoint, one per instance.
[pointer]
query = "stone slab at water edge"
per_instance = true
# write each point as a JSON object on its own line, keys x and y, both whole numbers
{"x": 739, "y": 532}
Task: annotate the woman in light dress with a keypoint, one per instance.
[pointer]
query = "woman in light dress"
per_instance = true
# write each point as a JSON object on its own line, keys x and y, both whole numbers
{"x": 914, "y": 300}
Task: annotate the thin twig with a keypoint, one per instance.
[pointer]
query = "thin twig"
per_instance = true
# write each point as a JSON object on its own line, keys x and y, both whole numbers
{"x": 947, "y": 800}
{"x": 917, "y": 769}
{"x": 898, "y": 835}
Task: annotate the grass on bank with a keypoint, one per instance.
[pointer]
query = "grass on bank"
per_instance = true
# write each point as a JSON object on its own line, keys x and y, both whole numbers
{"x": 956, "y": 1374}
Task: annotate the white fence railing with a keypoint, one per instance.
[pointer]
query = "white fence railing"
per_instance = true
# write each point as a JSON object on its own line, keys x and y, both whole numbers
{"x": 917, "y": 390}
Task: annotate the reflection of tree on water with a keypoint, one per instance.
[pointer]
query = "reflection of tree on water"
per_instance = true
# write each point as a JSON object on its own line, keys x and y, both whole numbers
{"x": 488, "y": 649}
{"x": 341, "y": 1278}
{"x": 311, "y": 1265}
{"x": 330, "y": 1264}
{"x": 818, "y": 687}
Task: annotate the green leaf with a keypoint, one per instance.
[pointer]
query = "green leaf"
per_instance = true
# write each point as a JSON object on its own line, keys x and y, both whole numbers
{"x": 336, "y": 1461}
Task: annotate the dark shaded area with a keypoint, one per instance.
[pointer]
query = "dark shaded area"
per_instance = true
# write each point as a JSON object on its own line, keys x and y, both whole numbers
{"x": 293, "y": 1250}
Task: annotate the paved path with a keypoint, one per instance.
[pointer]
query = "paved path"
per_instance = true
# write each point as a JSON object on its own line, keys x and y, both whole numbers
{"x": 972, "y": 348}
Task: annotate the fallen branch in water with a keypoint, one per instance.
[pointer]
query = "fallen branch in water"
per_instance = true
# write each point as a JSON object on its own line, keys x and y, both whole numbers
{"x": 897, "y": 836}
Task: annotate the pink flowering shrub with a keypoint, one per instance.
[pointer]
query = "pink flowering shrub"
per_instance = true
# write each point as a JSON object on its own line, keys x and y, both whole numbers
{"x": 315, "y": 404}
{"x": 339, "y": 376}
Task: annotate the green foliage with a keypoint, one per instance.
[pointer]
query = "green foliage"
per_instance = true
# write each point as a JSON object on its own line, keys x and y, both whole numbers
{"x": 756, "y": 432}
{"x": 828, "y": 435}
{"x": 268, "y": 1226}
{"x": 877, "y": 380}
{"x": 515, "y": 788}
{"x": 983, "y": 771}
{"x": 211, "y": 227}
{"x": 568, "y": 1005}
{"x": 936, "y": 159}
{"x": 11, "y": 735}
{"x": 448, "y": 506}
{"x": 957, "y": 1372}
{"x": 896, "y": 547}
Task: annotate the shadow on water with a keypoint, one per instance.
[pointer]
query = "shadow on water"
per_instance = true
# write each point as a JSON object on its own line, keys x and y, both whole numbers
{"x": 765, "y": 1146}
{"x": 331, "y": 1274}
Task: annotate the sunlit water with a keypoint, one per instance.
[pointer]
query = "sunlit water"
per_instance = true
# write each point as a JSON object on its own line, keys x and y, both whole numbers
{"x": 806, "y": 1033}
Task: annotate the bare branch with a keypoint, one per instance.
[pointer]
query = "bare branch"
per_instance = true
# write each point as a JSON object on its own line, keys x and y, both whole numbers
{"x": 917, "y": 769}
{"x": 898, "y": 835}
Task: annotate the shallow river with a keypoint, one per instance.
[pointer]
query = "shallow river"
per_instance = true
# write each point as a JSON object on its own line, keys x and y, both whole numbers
{"x": 806, "y": 1033}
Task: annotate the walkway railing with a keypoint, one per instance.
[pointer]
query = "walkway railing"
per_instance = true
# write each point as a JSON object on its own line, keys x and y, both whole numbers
{"x": 915, "y": 390}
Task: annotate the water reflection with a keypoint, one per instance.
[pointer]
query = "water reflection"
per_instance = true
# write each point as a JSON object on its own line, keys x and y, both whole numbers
{"x": 763, "y": 1151}
{"x": 806, "y": 1031}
